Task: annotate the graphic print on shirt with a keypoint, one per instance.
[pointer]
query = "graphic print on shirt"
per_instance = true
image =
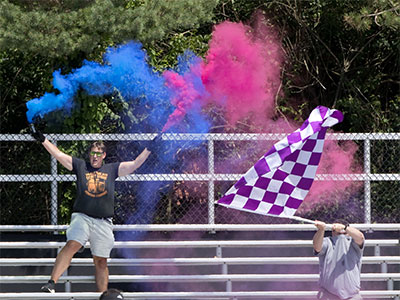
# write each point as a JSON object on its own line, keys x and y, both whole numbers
{"x": 96, "y": 184}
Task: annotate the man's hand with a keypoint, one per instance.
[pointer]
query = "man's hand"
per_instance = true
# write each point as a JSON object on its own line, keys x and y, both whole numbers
{"x": 338, "y": 228}
{"x": 155, "y": 143}
{"x": 37, "y": 135}
{"x": 320, "y": 225}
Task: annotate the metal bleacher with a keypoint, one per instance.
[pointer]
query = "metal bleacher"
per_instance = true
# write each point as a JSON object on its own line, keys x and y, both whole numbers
{"x": 224, "y": 261}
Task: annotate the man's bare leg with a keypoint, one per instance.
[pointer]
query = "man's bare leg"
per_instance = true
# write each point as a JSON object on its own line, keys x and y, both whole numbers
{"x": 102, "y": 273}
{"x": 63, "y": 259}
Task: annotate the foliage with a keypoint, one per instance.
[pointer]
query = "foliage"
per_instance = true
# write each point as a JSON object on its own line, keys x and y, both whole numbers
{"x": 237, "y": 10}
{"x": 382, "y": 13}
{"x": 162, "y": 54}
{"x": 65, "y": 29}
{"x": 331, "y": 62}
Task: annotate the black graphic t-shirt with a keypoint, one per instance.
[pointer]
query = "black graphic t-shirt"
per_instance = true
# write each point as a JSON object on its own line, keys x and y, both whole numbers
{"x": 95, "y": 188}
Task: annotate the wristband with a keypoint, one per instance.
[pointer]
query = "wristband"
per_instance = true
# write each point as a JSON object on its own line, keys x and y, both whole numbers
{"x": 345, "y": 227}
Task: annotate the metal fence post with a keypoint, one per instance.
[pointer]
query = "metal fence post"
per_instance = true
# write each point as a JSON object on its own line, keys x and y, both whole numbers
{"x": 54, "y": 196}
{"x": 224, "y": 270}
{"x": 211, "y": 196}
{"x": 384, "y": 268}
{"x": 367, "y": 182}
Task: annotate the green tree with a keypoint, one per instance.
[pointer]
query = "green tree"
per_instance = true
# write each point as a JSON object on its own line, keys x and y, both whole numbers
{"x": 340, "y": 57}
{"x": 62, "y": 30}
{"x": 382, "y": 13}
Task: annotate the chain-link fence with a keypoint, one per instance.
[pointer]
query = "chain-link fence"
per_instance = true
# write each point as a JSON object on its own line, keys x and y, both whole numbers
{"x": 180, "y": 182}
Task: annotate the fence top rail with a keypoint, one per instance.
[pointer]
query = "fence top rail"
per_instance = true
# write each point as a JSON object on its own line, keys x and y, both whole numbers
{"x": 192, "y": 295}
{"x": 193, "y": 177}
{"x": 202, "y": 227}
{"x": 194, "y": 136}
{"x": 191, "y": 244}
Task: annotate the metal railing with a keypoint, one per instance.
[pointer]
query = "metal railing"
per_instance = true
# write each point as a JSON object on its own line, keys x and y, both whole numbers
{"x": 195, "y": 295}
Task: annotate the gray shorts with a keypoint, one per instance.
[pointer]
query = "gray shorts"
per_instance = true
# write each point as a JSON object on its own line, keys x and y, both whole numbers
{"x": 98, "y": 232}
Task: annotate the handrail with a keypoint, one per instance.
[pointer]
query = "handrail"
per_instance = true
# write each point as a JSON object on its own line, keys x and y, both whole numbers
{"x": 193, "y": 295}
{"x": 193, "y": 278}
{"x": 190, "y": 261}
{"x": 191, "y": 244}
{"x": 202, "y": 227}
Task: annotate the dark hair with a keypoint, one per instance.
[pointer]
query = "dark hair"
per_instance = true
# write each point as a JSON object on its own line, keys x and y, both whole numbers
{"x": 111, "y": 294}
{"x": 341, "y": 221}
{"x": 98, "y": 144}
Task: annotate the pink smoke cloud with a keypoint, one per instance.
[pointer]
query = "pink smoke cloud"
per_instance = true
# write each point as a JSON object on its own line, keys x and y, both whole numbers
{"x": 242, "y": 71}
{"x": 241, "y": 76}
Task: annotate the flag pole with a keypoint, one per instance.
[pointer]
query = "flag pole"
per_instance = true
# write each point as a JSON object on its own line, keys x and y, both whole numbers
{"x": 300, "y": 219}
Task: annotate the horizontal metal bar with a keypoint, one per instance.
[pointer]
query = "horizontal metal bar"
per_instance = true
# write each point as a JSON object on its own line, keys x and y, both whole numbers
{"x": 193, "y": 278}
{"x": 202, "y": 227}
{"x": 190, "y": 261}
{"x": 195, "y": 136}
{"x": 192, "y": 177}
{"x": 194, "y": 295}
{"x": 190, "y": 244}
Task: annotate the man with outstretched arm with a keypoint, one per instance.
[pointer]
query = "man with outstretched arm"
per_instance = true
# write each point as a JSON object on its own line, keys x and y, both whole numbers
{"x": 93, "y": 207}
{"x": 339, "y": 261}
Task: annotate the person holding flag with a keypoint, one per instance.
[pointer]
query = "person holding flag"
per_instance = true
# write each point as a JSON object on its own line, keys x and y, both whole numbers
{"x": 277, "y": 185}
{"x": 339, "y": 261}
{"x": 93, "y": 207}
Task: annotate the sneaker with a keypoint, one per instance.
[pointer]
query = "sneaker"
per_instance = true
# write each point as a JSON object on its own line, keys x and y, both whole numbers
{"x": 49, "y": 287}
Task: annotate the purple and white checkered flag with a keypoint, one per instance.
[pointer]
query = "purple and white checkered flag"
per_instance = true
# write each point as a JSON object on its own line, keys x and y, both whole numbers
{"x": 278, "y": 183}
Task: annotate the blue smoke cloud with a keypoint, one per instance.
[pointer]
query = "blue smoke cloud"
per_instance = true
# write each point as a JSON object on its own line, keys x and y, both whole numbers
{"x": 124, "y": 67}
